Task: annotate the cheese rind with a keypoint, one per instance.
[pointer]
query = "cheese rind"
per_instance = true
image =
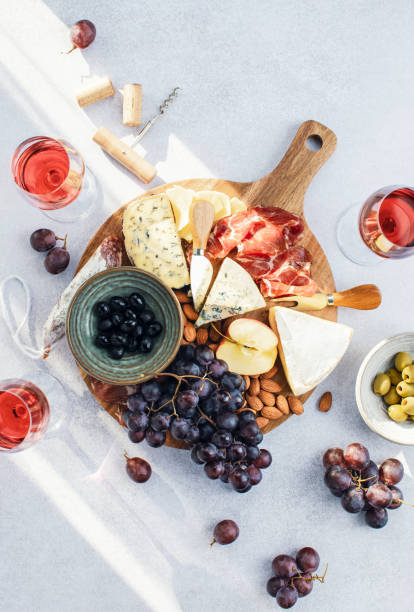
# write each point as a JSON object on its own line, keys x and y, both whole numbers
{"x": 234, "y": 292}
{"x": 310, "y": 348}
{"x": 152, "y": 241}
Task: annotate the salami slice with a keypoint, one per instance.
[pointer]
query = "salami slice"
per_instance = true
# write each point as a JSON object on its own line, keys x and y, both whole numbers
{"x": 107, "y": 255}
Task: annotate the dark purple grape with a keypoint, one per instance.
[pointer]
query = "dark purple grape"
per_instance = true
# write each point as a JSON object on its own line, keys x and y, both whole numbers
{"x": 231, "y": 381}
{"x": 303, "y": 584}
{"x": 397, "y": 496}
{"x": 245, "y": 489}
{"x": 136, "y": 436}
{"x": 203, "y": 355}
{"x": 284, "y": 566}
{"x": 249, "y": 431}
{"x": 160, "y": 421}
{"x": 247, "y": 416}
{"x": 264, "y": 459}
{"x": 57, "y": 260}
{"x": 217, "y": 368}
{"x": 138, "y": 469}
{"x": 203, "y": 388}
{"x": 222, "y": 454}
{"x": 255, "y": 474}
{"x": 43, "y": 240}
{"x": 206, "y": 452}
{"x": 194, "y": 456}
{"x": 353, "y": 500}
{"x": 379, "y": 495}
{"x": 137, "y": 302}
{"x": 222, "y": 438}
{"x": 214, "y": 469}
{"x": 138, "y": 421}
{"x": 155, "y": 438}
{"x": 274, "y": 584}
{"x": 356, "y": 456}
{"x": 391, "y": 471}
{"x": 256, "y": 439}
{"x": 105, "y": 325}
{"x": 376, "y": 517}
{"x": 146, "y": 316}
{"x": 186, "y": 352}
{"x": 334, "y": 456}
{"x": 338, "y": 479}
{"x": 239, "y": 479}
{"x": 236, "y": 452}
{"x": 193, "y": 435}
{"x": 186, "y": 403}
{"x": 226, "y": 471}
{"x": 369, "y": 475}
{"x": 145, "y": 344}
{"x": 82, "y": 33}
{"x": 179, "y": 428}
{"x": 191, "y": 369}
{"x": 151, "y": 390}
{"x": 237, "y": 398}
{"x": 252, "y": 453}
{"x": 103, "y": 341}
{"x": 118, "y": 304}
{"x": 225, "y": 532}
{"x": 102, "y": 310}
{"x": 117, "y": 339}
{"x": 307, "y": 559}
{"x": 137, "y": 402}
{"x": 154, "y": 329}
{"x": 287, "y": 596}
{"x": 221, "y": 398}
{"x": 227, "y": 420}
{"x": 116, "y": 352}
{"x": 206, "y": 431}
{"x": 209, "y": 407}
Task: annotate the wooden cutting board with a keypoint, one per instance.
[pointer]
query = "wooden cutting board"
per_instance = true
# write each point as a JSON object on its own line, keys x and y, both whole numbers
{"x": 285, "y": 187}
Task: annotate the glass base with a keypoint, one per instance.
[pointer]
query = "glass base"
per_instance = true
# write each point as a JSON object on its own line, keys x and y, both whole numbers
{"x": 57, "y": 398}
{"x": 350, "y": 241}
{"x": 82, "y": 206}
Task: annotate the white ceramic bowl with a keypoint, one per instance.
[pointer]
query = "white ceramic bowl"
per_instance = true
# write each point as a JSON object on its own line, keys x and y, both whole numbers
{"x": 371, "y": 406}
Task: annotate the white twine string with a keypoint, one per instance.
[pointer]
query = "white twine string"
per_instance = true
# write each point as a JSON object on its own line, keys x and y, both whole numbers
{"x": 30, "y": 351}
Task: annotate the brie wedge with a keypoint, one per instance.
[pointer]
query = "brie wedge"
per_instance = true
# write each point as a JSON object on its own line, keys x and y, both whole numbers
{"x": 310, "y": 348}
{"x": 234, "y": 292}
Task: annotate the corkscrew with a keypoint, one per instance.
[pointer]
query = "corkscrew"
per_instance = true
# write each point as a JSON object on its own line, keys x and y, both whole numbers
{"x": 151, "y": 122}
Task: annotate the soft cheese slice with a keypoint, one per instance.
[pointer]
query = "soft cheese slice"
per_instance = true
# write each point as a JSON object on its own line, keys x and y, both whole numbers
{"x": 219, "y": 200}
{"x": 234, "y": 292}
{"x": 310, "y": 348}
{"x": 152, "y": 242}
{"x": 181, "y": 200}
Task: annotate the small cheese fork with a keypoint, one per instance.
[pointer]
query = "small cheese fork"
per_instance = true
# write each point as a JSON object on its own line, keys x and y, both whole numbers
{"x": 363, "y": 297}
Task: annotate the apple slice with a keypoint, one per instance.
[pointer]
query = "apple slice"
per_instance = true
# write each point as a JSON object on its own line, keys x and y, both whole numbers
{"x": 252, "y": 333}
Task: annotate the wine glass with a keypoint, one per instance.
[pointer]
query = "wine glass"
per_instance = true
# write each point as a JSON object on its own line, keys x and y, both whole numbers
{"x": 385, "y": 223}
{"x": 52, "y": 175}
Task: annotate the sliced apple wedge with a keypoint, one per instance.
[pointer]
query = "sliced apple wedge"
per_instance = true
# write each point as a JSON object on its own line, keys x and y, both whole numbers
{"x": 252, "y": 333}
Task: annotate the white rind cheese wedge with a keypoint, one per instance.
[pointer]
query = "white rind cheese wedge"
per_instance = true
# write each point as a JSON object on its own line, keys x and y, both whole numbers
{"x": 310, "y": 348}
{"x": 234, "y": 292}
{"x": 152, "y": 241}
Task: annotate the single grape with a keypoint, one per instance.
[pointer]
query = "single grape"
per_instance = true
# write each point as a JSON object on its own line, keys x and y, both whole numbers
{"x": 57, "y": 260}
{"x": 190, "y": 368}
{"x": 222, "y": 438}
{"x": 138, "y": 469}
{"x": 247, "y": 416}
{"x": 43, "y": 240}
{"x": 203, "y": 388}
{"x": 138, "y": 421}
{"x": 193, "y": 435}
{"x": 255, "y": 474}
{"x": 214, "y": 469}
{"x": 209, "y": 407}
{"x": 249, "y": 431}
{"x": 356, "y": 456}
{"x": 206, "y": 451}
{"x": 224, "y": 477}
{"x": 222, "y": 454}
{"x": 338, "y": 479}
{"x": 136, "y": 436}
{"x": 334, "y": 456}
{"x": 391, "y": 471}
{"x": 376, "y": 517}
{"x": 307, "y": 559}
{"x": 186, "y": 352}
{"x": 303, "y": 584}
{"x": 369, "y": 475}
{"x": 221, "y": 398}
{"x": 137, "y": 403}
{"x": 217, "y": 368}
{"x": 227, "y": 420}
{"x": 252, "y": 453}
{"x": 186, "y": 403}
{"x": 379, "y": 495}
{"x": 225, "y": 532}
{"x": 203, "y": 355}
{"x": 82, "y": 34}
{"x": 284, "y": 566}
{"x": 264, "y": 459}
{"x": 287, "y": 596}
{"x": 256, "y": 439}
{"x": 194, "y": 456}
{"x": 155, "y": 438}
{"x": 206, "y": 431}
{"x": 137, "y": 302}
{"x": 237, "y": 398}
{"x": 151, "y": 390}
{"x": 397, "y": 496}
{"x": 274, "y": 584}
{"x": 353, "y": 500}
{"x": 239, "y": 478}
{"x": 231, "y": 381}
{"x": 160, "y": 421}
{"x": 180, "y": 427}
{"x": 237, "y": 451}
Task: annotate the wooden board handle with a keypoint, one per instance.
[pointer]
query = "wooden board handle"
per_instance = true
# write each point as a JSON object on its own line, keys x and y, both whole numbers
{"x": 363, "y": 297}
{"x": 201, "y": 219}
{"x": 287, "y": 184}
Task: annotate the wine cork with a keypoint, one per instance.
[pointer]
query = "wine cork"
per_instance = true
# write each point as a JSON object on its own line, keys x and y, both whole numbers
{"x": 125, "y": 155}
{"x": 132, "y": 104}
{"x": 98, "y": 90}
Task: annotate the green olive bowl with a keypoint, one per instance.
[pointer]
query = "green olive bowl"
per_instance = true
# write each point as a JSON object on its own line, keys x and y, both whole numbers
{"x": 81, "y": 326}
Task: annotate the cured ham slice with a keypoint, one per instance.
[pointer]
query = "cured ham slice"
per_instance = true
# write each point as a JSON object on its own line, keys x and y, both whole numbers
{"x": 230, "y": 231}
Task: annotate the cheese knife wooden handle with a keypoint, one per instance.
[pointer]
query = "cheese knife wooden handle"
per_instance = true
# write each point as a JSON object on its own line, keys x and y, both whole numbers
{"x": 363, "y": 297}
{"x": 201, "y": 221}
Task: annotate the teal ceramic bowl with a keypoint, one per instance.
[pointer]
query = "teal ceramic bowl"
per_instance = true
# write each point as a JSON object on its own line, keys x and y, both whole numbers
{"x": 81, "y": 326}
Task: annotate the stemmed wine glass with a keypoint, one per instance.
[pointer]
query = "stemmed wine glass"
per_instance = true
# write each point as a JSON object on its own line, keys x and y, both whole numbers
{"x": 52, "y": 175}
{"x": 385, "y": 226}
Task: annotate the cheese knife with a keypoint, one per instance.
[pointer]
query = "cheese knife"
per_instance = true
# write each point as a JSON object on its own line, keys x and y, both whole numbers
{"x": 201, "y": 270}
{"x": 363, "y": 297}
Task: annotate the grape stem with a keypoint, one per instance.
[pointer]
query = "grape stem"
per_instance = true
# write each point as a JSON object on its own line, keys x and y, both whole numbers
{"x": 321, "y": 579}
{"x": 126, "y": 455}
{"x": 212, "y": 543}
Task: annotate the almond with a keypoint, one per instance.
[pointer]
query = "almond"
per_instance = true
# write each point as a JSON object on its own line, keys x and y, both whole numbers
{"x": 254, "y": 402}
{"x": 190, "y": 333}
{"x": 247, "y": 381}
{"x": 270, "y": 373}
{"x": 282, "y": 404}
{"x": 270, "y": 385}
{"x": 254, "y": 386}
{"x": 189, "y": 312}
{"x": 325, "y": 402}
{"x": 262, "y": 422}
{"x": 213, "y": 334}
{"x": 202, "y": 335}
{"x": 182, "y": 297}
{"x": 270, "y": 412}
{"x": 295, "y": 405}
{"x": 213, "y": 347}
{"x": 267, "y": 398}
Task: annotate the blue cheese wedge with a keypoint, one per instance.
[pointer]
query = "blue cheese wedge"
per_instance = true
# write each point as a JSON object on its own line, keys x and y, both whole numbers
{"x": 152, "y": 241}
{"x": 234, "y": 292}
{"x": 310, "y": 348}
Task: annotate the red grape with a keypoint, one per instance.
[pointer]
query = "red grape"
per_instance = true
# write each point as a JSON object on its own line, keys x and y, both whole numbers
{"x": 83, "y": 33}
{"x": 284, "y": 566}
{"x": 57, "y": 260}
{"x": 369, "y": 475}
{"x": 397, "y": 496}
{"x": 138, "y": 469}
{"x": 376, "y": 517}
{"x": 255, "y": 474}
{"x": 264, "y": 459}
{"x": 303, "y": 584}
{"x": 391, "y": 471}
{"x": 356, "y": 456}
{"x": 43, "y": 240}
{"x": 239, "y": 478}
{"x": 334, "y": 456}
{"x": 353, "y": 500}
{"x": 226, "y": 532}
{"x": 274, "y": 584}
{"x": 338, "y": 479}
{"x": 307, "y": 559}
{"x": 379, "y": 495}
{"x": 214, "y": 469}
{"x": 287, "y": 596}
{"x": 136, "y": 436}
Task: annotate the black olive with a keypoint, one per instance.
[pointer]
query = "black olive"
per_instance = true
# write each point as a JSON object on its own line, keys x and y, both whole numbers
{"x": 132, "y": 346}
{"x": 104, "y": 324}
{"x": 146, "y": 316}
{"x": 129, "y": 326}
{"x": 116, "y": 352}
{"x": 137, "y": 301}
{"x": 119, "y": 339}
{"x": 130, "y": 314}
{"x": 118, "y": 304}
{"x": 117, "y": 318}
{"x": 102, "y": 340}
{"x": 102, "y": 310}
{"x": 154, "y": 329}
{"x": 139, "y": 330}
{"x": 145, "y": 344}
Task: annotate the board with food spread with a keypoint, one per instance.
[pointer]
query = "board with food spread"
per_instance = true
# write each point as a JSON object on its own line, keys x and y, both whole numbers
{"x": 261, "y": 248}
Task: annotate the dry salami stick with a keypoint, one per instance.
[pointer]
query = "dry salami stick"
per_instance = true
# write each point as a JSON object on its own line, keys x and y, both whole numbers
{"x": 107, "y": 255}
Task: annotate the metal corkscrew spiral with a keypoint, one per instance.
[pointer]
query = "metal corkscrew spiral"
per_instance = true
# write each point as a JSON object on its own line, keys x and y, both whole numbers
{"x": 167, "y": 102}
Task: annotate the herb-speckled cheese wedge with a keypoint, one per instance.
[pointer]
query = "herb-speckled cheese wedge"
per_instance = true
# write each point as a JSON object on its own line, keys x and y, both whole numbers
{"x": 233, "y": 293}
{"x": 152, "y": 242}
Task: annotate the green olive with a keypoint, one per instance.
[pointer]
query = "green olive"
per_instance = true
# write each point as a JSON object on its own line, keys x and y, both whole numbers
{"x": 402, "y": 360}
{"x": 382, "y": 384}
{"x": 396, "y": 413}
{"x": 408, "y": 373}
{"x": 392, "y": 397}
{"x": 405, "y": 389}
{"x": 408, "y": 405}
{"x": 395, "y": 376}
